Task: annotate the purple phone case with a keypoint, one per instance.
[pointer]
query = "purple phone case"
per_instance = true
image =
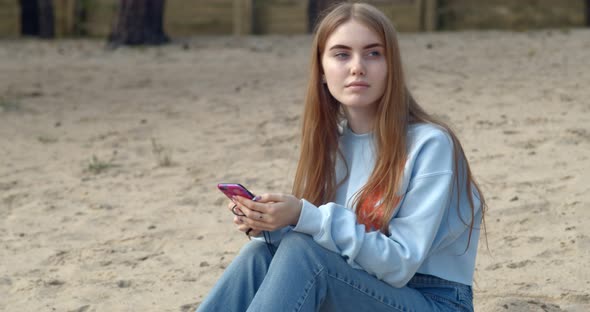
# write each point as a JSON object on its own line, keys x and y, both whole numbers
{"x": 234, "y": 189}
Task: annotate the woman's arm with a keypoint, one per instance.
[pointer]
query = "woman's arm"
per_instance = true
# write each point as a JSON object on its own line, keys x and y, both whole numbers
{"x": 395, "y": 258}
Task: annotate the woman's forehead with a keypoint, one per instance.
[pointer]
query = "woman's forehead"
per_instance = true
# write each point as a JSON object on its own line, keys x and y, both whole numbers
{"x": 353, "y": 34}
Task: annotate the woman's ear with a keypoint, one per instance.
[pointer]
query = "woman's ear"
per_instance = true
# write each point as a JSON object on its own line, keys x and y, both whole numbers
{"x": 323, "y": 78}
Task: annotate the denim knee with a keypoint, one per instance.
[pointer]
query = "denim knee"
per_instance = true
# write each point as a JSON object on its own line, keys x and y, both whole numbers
{"x": 302, "y": 247}
{"x": 297, "y": 241}
{"x": 254, "y": 252}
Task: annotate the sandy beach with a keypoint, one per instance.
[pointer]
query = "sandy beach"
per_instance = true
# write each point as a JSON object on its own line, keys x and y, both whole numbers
{"x": 109, "y": 161}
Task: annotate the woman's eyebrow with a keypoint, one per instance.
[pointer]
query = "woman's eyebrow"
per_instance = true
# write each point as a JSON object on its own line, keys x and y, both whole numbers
{"x": 343, "y": 47}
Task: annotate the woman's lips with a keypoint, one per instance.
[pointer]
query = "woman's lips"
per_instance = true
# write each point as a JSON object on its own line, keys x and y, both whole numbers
{"x": 357, "y": 85}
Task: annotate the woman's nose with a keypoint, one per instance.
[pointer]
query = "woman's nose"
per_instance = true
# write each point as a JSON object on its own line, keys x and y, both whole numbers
{"x": 357, "y": 67}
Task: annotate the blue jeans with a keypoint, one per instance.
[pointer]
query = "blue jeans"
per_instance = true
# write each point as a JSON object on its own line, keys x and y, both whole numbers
{"x": 303, "y": 276}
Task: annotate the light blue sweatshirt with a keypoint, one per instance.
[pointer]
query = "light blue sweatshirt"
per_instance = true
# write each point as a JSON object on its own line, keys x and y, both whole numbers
{"x": 427, "y": 234}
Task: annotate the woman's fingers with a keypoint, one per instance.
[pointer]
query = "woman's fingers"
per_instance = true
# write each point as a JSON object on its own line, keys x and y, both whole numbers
{"x": 244, "y": 228}
{"x": 269, "y": 211}
{"x": 255, "y": 233}
{"x": 234, "y": 207}
{"x": 259, "y": 225}
{"x": 251, "y": 220}
{"x": 252, "y": 205}
{"x": 244, "y": 224}
{"x": 271, "y": 198}
{"x": 256, "y": 215}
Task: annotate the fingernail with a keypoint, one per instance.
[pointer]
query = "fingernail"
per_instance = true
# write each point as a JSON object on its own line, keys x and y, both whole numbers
{"x": 256, "y": 198}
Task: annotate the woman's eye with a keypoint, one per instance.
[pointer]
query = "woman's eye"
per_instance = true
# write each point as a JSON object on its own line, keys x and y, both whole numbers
{"x": 374, "y": 53}
{"x": 341, "y": 55}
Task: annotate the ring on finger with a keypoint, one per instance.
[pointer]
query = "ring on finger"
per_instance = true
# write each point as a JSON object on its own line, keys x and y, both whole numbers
{"x": 238, "y": 212}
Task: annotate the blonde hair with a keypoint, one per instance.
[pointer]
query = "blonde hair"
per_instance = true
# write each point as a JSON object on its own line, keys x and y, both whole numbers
{"x": 315, "y": 178}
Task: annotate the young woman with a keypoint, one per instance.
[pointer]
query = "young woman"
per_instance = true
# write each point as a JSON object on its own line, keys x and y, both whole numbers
{"x": 385, "y": 213}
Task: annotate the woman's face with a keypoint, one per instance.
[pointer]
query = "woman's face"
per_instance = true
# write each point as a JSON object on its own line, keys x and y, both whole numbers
{"x": 354, "y": 67}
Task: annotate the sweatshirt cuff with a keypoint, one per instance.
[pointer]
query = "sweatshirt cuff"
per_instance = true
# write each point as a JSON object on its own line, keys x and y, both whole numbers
{"x": 310, "y": 219}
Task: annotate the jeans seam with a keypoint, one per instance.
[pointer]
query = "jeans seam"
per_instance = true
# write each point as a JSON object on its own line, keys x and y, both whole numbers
{"x": 306, "y": 293}
{"x": 401, "y": 309}
{"x": 444, "y": 300}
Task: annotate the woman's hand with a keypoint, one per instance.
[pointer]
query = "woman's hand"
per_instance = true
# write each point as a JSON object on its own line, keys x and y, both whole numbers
{"x": 269, "y": 212}
{"x": 238, "y": 220}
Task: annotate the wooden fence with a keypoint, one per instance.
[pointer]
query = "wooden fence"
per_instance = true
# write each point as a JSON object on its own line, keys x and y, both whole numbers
{"x": 9, "y": 18}
{"x": 196, "y": 17}
{"x": 511, "y": 14}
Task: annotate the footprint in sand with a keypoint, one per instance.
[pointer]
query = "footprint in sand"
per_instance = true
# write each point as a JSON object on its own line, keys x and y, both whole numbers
{"x": 279, "y": 139}
{"x": 578, "y": 133}
{"x": 520, "y": 264}
{"x": 6, "y": 186}
{"x": 531, "y": 305}
{"x": 189, "y": 307}
{"x": 535, "y": 239}
{"x": 81, "y": 309}
{"x": 493, "y": 267}
{"x": 549, "y": 253}
{"x": 510, "y": 240}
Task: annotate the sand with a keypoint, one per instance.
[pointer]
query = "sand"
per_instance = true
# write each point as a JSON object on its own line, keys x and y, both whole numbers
{"x": 109, "y": 161}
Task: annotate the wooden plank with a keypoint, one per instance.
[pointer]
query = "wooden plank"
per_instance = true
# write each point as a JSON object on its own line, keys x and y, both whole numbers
{"x": 281, "y": 17}
{"x": 429, "y": 15}
{"x": 202, "y": 3}
{"x": 207, "y": 27}
{"x": 9, "y": 19}
{"x": 516, "y": 15}
{"x": 196, "y": 12}
{"x": 64, "y": 12}
{"x": 101, "y": 15}
{"x": 406, "y": 17}
{"x": 243, "y": 14}
{"x": 183, "y": 19}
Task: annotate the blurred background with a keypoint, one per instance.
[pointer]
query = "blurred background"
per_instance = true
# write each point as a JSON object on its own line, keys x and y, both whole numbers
{"x": 184, "y": 18}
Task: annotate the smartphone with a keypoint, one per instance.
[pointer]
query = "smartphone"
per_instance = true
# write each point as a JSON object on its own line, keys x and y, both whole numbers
{"x": 234, "y": 189}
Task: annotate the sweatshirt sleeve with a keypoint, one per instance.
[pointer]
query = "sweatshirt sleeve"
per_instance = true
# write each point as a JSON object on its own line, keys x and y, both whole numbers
{"x": 395, "y": 258}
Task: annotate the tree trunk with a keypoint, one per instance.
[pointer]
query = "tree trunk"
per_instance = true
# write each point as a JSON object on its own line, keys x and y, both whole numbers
{"x": 139, "y": 22}
{"x": 37, "y": 18}
{"x": 80, "y": 18}
{"x": 315, "y": 11}
{"x": 29, "y": 18}
{"x": 46, "y": 19}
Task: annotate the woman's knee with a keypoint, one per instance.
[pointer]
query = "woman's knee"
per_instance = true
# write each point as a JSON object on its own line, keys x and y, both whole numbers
{"x": 296, "y": 240}
{"x": 302, "y": 246}
{"x": 254, "y": 252}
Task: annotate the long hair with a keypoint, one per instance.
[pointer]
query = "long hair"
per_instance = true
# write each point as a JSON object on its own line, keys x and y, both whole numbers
{"x": 315, "y": 178}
